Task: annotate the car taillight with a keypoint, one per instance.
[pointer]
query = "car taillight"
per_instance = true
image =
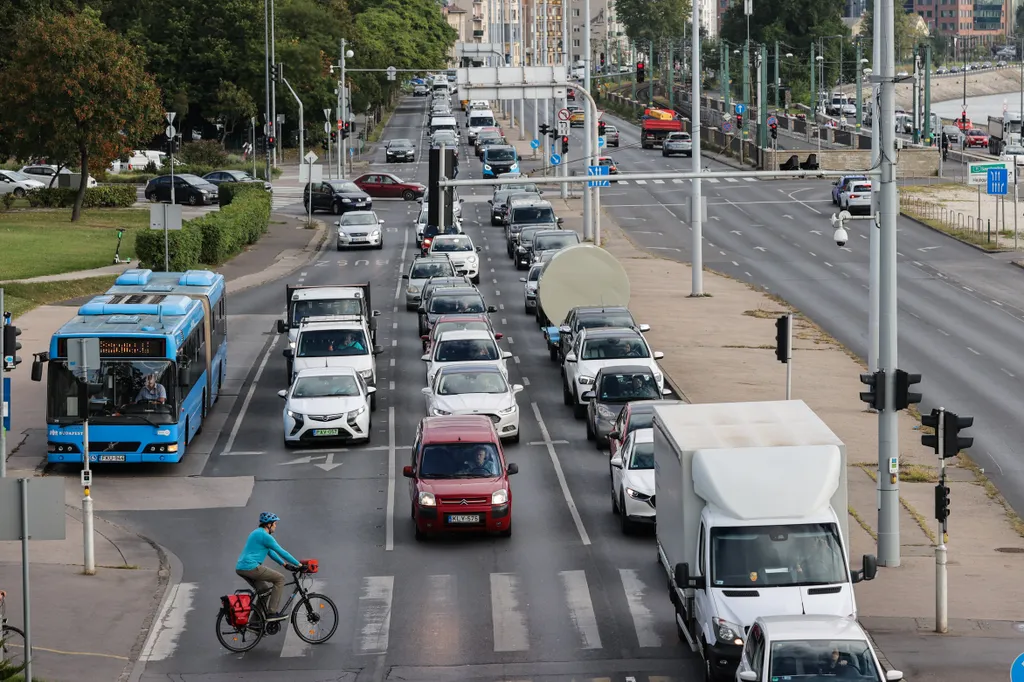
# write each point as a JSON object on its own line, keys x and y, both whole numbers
{"x": 855, "y": 196}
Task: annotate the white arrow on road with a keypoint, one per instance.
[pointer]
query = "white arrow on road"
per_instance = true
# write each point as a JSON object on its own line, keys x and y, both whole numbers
{"x": 329, "y": 464}
{"x": 736, "y": 232}
{"x": 786, "y": 215}
{"x": 928, "y": 248}
{"x": 760, "y": 248}
{"x": 846, "y": 248}
{"x": 301, "y": 460}
{"x": 816, "y": 232}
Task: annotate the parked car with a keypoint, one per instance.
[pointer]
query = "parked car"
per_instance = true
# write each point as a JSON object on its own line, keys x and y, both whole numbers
{"x": 386, "y": 185}
{"x": 47, "y": 173}
{"x": 336, "y": 196}
{"x": 218, "y": 177}
{"x": 18, "y": 184}
{"x": 188, "y": 189}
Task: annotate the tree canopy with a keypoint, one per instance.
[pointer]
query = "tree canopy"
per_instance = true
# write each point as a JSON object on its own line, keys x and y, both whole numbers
{"x": 796, "y": 22}
{"x": 651, "y": 20}
{"x": 906, "y": 32}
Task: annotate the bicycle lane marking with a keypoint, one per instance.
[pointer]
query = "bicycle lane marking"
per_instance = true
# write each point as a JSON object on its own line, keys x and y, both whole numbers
{"x": 294, "y": 647}
{"x": 163, "y": 639}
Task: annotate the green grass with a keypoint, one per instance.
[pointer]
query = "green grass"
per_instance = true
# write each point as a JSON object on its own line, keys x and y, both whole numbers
{"x": 45, "y": 242}
{"x": 19, "y": 298}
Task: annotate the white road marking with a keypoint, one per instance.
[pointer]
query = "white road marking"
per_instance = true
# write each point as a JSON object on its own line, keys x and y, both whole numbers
{"x": 391, "y": 385}
{"x": 442, "y": 605}
{"x": 643, "y": 619}
{"x": 1008, "y": 372}
{"x": 526, "y": 381}
{"x": 389, "y": 529}
{"x": 973, "y": 351}
{"x": 510, "y": 633}
{"x": 162, "y": 641}
{"x": 375, "y": 614}
{"x": 293, "y": 646}
{"x": 581, "y": 608}
{"x": 248, "y": 397}
{"x": 392, "y": 363}
{"x": 560, "y": 475}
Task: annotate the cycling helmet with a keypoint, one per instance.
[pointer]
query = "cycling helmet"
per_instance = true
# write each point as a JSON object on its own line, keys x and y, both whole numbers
{"x": 267, "y": 517}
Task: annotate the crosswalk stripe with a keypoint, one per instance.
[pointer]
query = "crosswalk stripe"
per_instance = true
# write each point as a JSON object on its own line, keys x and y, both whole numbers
{"x": 641, "y": 182}
{"x": 643, "y": 619}
{"x": 163, "y": 637}
{"x": 713, "y": 180}
{"x": 677, "y": 181}
{"x": 659, "y": 182}
{"x": 750, "y": 179}
{"x": 622, "y": 182}
{"x": 581, "y": 608}
{"x": 731, "y": 180}
{"x": 441, "y": 605}
{"x": 509, "y": 623}
{"x": 375, "y": 607}
{"x": 294, "y": 647}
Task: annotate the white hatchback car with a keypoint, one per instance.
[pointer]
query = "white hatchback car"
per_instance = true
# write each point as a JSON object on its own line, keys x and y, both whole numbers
{"x": 600, "y": 347}
{"x": 18, "y": 184}
{"x": 856, "y": 198}
{"x": 327, "y": 404}
{"x": 632, "y": 473}
{"x": 465, "y": 346}
{"x": 472, "y": 388}
{"x": 463, "y": 254}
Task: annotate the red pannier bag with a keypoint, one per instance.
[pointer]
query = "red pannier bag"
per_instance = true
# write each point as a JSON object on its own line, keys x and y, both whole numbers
{"x": 237, "y": 606}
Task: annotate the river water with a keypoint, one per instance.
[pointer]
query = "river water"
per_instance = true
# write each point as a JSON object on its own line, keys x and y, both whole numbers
{"x": 979, "y": 108}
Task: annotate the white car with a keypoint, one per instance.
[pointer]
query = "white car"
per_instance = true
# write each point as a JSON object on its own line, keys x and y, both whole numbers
{"x": 472, "y": 388}
{"x": 600, "y": 347}
{"x": 632, "y": 473}
{"x": 856, "y": 197}
{"x": 531, "y": 281}
{"x": 335, "y": 341}
{"x": 457, "y": 203}
{"x": 46, "y": 174}
{"x": 460, "y": 249}
{"x": 360, "y": 228}
{"x": 18, "y": 184}
{"x": 1012, "y": 152}
{"x": 327, "y": 404}
{"x": 465, "y": 346}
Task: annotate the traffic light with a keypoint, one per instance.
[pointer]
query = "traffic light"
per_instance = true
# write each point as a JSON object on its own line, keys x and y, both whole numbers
{"x": 904, "y": 398}
{"x": 11, "y": 344}
{"x": 323, "y": 145}
{"x": 602, "y": 60}
{"x": 545, "y": 129}
{"x": 344, "y": 131}
{"x": 565, "y": 144}
{"x": 782, "y": 339}
{"x": 775, "y": 131}
{"x": 941, "y": 502}
{"x": 600, "y": 128}
{"x": 739, "y": 122}
{"x": 271, "y": 140}
{"x": 274, "y": 72}
{"x": 334, "y": 136}
{"x": 875, "y": 398}
{"x": 946, "y": 425}
{"x": 639, "y": 72}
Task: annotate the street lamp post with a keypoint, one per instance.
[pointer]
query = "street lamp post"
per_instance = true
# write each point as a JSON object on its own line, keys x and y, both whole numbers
{"x": 268, "y": 126}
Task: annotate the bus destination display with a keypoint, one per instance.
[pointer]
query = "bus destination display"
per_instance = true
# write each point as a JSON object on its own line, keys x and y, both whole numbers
{"x": 125, "y": 347}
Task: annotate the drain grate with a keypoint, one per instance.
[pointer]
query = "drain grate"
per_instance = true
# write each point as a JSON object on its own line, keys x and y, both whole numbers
{"x": 1010, "y": 550}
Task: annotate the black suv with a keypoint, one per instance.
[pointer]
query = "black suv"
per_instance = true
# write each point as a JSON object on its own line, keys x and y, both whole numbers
{"x": 336, "y": 196}
{"x": 586, "y": 317}
{"x": 400, "y": 150}
{"x": 550, "y": 240}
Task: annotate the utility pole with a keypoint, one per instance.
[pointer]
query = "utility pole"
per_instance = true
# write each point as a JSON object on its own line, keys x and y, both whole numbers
{"x": 567, "y": 62}
{"x": 916, "y": 108}
{"x": 873, "y": 232}
{"x": 671, "y": 77}
{"x": 928, "y": 132}
{"x": 762, "y": 98}
{"x": 3, "y": 401}
{"x": 266, "y": 67}
{"x": 546, "y": 61}
{"x": 696, "y": 201}
{"x": 588, "y": 192}
{"x": 302, "y": 122}
{"x": 273, "y": 91}
{"x": 534, "y": 62}
{"x": 814, "y": 90}
{"x": 888, "y": 203}
{"x": 860, "y": 90}
{"x": 778, "y": 81}
{"x": 522, "y": 101}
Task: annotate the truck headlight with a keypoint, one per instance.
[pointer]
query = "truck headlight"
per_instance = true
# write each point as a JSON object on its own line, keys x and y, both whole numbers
{"x": 499, "y": 497}
{"x": 727, "y": 633}
{"x": 426, "y": 499}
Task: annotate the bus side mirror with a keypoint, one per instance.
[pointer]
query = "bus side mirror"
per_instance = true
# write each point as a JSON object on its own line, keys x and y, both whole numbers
{"x": 185, "y": 376}
{"x": 37, "y": 370}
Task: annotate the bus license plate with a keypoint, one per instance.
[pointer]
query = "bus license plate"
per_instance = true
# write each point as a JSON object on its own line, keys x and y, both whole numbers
{"x": 111, "y": 458}
{"x": 463, "y": 518}
{"x": 325, "y": 432}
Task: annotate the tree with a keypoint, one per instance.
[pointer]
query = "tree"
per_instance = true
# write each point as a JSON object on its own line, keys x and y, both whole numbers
{"x": 907, "y": 31}
{"x": 74, "y": 89}
{"x": 232, "y": 106}
{"x": 652, "y": 20}
{"x": 795, "y": 22}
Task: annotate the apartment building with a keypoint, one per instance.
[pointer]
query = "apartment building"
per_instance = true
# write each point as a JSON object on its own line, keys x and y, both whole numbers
{"x": 469, "y": 19}
{"x": 607, "y": 36}
{"x": 549, "y": 26}
{"x": 970, "y": 22}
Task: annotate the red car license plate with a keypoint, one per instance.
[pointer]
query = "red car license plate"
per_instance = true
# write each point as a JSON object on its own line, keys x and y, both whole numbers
{"x": 459, "y": 519}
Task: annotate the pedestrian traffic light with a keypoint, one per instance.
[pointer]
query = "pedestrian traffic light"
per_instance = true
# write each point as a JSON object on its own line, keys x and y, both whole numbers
{"x": 941, "y": 502}
{"x": 565, "y": 144}
{"x": 782, "y": 339}
{"x": 775, "y": 131}
{"x": 875, "y": 398}
{"x": 600, "y": 128}
{"x": 545, "y": 129}
{"x": 903, "y": 397}
{"x": 602, "y": 60}
{"x": 639, "y": 72}
{"x": 11, "y": 344}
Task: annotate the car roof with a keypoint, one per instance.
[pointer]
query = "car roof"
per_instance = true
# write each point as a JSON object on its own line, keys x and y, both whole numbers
{"x": 812, "y": 627}
{"x": 452, "y": 237}
{"x": 590, "y": 310}
{"x": 609, "y": 332}
{"x": 559, "y": 232}
{"x": 356, "y": 213}
{"x": 458, "y": 291}
{"x": 530, "y": 201}
{"x": 635, "y": 406}
{"x": 643, "y": 435}
{"x": 499, "y": 147}
{"x": 326, "y": 372}
{"x": 454, "y": 428}
{"x": 467, "y": 367}
{"x": 463, "y": 317}
{"x": 466, "y": 335}
{"x": 625, "y": 369}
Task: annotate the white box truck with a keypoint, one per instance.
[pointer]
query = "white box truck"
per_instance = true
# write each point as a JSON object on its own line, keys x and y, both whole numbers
{"x": 752, "y": 520}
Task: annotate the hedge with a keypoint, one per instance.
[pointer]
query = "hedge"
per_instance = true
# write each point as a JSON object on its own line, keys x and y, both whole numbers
{"x": 142, "y": 177}
{"x": 106, "y": 196}
{"x": 210, "y": 239}
{"x": 227, "y": 191}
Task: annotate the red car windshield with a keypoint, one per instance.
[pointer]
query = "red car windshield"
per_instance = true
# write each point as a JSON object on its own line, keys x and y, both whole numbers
{"x": 460, "y": 460}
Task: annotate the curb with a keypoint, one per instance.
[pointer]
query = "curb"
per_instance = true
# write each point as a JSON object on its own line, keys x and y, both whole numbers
{"x": 314, "y": 246}
{"x": 171, "y": 571}
{"x": 959, "y": 241}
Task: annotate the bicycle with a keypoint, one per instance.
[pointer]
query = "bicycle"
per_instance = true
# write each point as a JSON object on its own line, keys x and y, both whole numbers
{"x": 12, "y": 641}
{"x": 315, "y": 607}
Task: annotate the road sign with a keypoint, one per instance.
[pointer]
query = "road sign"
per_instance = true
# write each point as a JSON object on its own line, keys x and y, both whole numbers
{"x": 563, "y": 114}
{"x": 727, "y": 127}
{"x": 313, "y": 174}
{"x": 170, "y": 132}
{"x": 772, "y": 121}
{"x": 391, "y": 71}
{"x": 341, "y": 124}
{"x": 740, "y": 108}
{"x": 997, "y": 180}
{"x": 327, "y": 127}
{"x": 598, "y": 171}
{"x": 563, "y": 127}
{"x": 979, "y": 171}
{"x": 7, "y": 403}
{"x": 165, "y": 215}
{"x": 170, "y": 116}
{"x": 600, "y": 141}
{"x": 555, "y": 159}
{"x": 45, "y": 512}
{"x": 535, "y": 144}
{"x": 327, "y": 114}
{"x": 310, "y": 157}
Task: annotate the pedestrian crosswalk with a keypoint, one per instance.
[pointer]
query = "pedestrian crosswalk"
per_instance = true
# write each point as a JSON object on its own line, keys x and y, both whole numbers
{"x": 679, "y": 181}
{"x": 626, "y": 609}
{"x": 286, "y": 196}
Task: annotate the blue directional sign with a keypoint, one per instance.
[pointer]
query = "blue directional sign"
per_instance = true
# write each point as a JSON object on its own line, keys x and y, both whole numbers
{"x": 1017, "y": 669}
{"x": 555, "y": 159}
{"x": 740, "y": 108}
{"x": 997, "y": 181}
{"x": 600, "y": 141}
{"x": 7, "y": 403}
{"x": 596, "y": 171}
{"x": 535, "y": 144}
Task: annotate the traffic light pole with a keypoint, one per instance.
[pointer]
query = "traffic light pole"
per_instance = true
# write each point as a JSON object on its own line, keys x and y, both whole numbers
{"x": 696, "y": 198}
{"x": 3, "y": 401}
{"x": 941, "y": 585}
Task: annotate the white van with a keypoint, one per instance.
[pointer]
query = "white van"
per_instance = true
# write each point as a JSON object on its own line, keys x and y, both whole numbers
{"x": 478, "y": 119}
{"x": 444, "y": 123}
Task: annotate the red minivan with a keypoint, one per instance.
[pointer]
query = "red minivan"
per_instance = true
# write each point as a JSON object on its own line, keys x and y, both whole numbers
{"x": 459, "y": 477}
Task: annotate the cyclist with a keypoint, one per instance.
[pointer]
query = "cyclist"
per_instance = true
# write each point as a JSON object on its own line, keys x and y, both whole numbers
{"x": 258, "y": 546}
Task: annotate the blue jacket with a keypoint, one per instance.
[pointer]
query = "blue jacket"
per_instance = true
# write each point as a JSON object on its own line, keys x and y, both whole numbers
{"x": 258, "y": 546}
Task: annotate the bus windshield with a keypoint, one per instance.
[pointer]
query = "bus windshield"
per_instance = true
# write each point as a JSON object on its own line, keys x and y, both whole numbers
{"x": 120, "y": 392}
{"x": 323, "y": 308}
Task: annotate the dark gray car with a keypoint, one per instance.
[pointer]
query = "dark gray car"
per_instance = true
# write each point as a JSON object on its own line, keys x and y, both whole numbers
{"x": 613, "y": 388}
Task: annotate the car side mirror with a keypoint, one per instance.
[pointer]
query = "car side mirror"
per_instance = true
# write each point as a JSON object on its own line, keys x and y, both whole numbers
{"x": 491, "y": 202}
{"x": 380, "y": 222}
{"x": 288, "y": 353}
{"x": 370, "y": 390}
{"x": 425, "y": 337}
{"x": 615, "y": 435}
{"x": 522, "y": 279}
{"x": 893, "y": 675}
{"x": 492, "y": 309}
{"x": 658, "y": 355}
{"x": 517, "y": 388}
{"x": 425, "y": 358}
{"x": 419, "y": 200}
{"x": 616, "y": 461}
{"x": 479, "y": 249}
{"x": 559, "y": 220}
{"x": 570, "y": 357}
{"x": 565, "y": 329}
{"x": 426, "y": 390}
{"x": 281, "y": 327}
{"x": 868, "y": 571}
{"x": 282, "y": 394}
{"x": 512, "y": 469}
{"x": 408, "y": 472}
{"x": 338, "y": 223}
{"x": 377, "y": 350}
{"x": 505, "y": 355}
{"x": 666, "y": 391}
{"x": 184, "y": 377}
{"x": 421, "y": 310}
{"x": 588, "y": 395}
{"x": 375, "y": 313}
{"x": 499, "y": 336}
{"x": 644, "y": 328}
{"x": 748, "y": 676}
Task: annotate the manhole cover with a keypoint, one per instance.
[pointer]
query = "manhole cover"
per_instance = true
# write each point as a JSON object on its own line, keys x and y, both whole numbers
{"x": 1010, "y": 550}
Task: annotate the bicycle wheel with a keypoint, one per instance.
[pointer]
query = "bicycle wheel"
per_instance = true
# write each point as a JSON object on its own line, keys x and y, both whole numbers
{"x": 240, "y": 640}
{"x": 319, "y": 618}
{"x": 12, "y": 647}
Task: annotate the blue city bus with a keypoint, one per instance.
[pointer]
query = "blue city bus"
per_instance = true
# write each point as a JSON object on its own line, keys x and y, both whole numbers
{"x": 146, "y": 286}
{"x": 166, "y": 342}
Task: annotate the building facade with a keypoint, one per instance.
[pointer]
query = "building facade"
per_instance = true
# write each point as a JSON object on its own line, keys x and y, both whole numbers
{"x": 972, "y": 23}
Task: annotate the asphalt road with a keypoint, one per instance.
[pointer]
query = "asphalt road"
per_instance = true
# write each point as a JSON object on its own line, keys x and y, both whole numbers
{"x": 568, "y": 597}
{"x": 959, "y": 317}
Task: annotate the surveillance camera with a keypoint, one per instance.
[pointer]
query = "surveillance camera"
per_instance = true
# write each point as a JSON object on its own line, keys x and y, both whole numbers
{"x": 840, "y": 236}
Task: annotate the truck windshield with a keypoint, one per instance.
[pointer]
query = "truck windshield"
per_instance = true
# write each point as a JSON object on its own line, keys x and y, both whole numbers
{"x": 323, "y": 308}
{"x": 320, "y": 343}
{"x": 530, "y": 215}
{"x": 118, "y": 393}
{"x": 822, "y": 658}
{"x": 777, "y": 556}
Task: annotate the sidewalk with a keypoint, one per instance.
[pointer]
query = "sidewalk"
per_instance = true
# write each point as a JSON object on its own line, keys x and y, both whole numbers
{"x": 719, "y": 348}
{"x": 87, "y": 628}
